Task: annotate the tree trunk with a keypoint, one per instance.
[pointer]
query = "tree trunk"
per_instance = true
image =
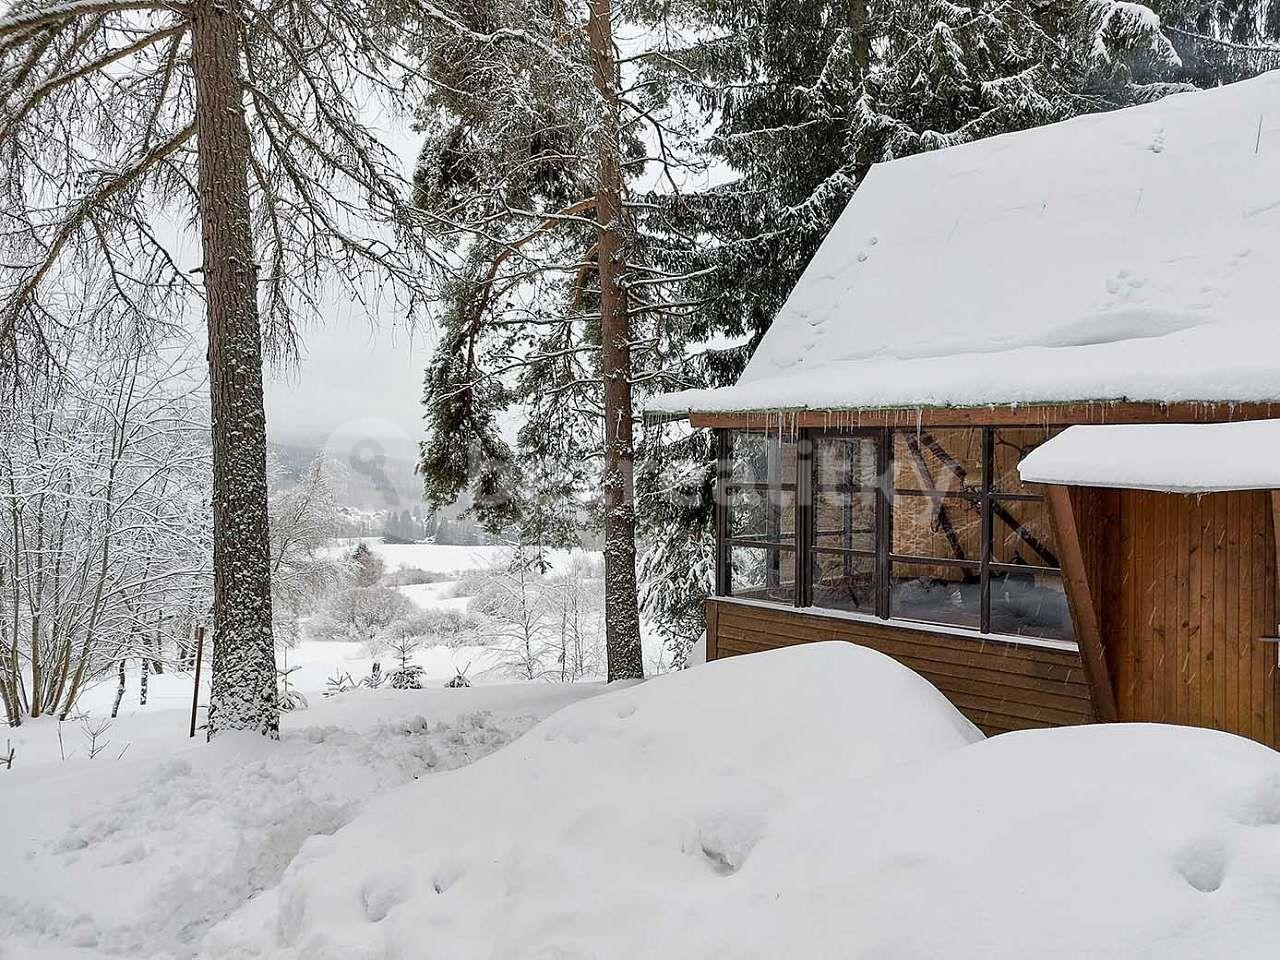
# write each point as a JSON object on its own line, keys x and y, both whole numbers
{"x": 622, "y": 617}
{"x": 859, "y": 37}
{"x": 243, "y": 694}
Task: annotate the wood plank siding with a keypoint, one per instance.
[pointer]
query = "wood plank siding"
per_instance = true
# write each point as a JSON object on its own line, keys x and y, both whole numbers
{"x": 1185, "y": 586}
{"x": 1000, "y": 686}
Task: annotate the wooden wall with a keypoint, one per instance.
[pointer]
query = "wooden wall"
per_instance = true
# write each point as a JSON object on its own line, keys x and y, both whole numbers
{"x": 1184, "y": 587}
{"x": 1000, "y": 686}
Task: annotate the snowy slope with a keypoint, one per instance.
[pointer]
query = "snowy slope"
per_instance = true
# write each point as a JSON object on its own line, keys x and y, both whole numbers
{"x": 1130, "y": 254}
{"x": 819, "y": 801}
{"x": 136, "y": 857}
{"x": 1169, "y": 457}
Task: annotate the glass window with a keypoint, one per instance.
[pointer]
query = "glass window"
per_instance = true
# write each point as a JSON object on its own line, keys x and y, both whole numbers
{"x": 1030, "y": 603}
{"x": 1022, "y": 533}
{"x": 761, "y": 459}
{"x": 937, "y": 593}
{"x": 762, "y": 573}
{"x": 1011, "y": 444}
{"x": 762, "y": 514}
{"x": 957, "y": 519}
{"x": 845, "y": 521}
{"x": 760, "y": 517}
{"x": 844, "y": 581}
{"x": 845, "y": 463}
{"x": 946, "y": 527}
{"x": 941, "y": 461}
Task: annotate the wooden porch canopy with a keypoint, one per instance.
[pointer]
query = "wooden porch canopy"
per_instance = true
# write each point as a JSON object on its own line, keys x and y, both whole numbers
{"x": 1190, "y": 459}
{"x": 1195, "y": 458}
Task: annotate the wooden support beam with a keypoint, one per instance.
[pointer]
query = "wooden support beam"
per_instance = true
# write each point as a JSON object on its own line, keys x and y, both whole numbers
{"x": 1275, "y": 526}
{"x": 997, "y": 508}
{"x": 940, "y": 516}
{"x": 1080, "y": 598}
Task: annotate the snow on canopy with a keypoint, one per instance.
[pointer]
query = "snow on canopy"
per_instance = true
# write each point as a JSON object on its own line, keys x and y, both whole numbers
{"x": 1125, "y": 255}
{"x": 1169, "y": 457}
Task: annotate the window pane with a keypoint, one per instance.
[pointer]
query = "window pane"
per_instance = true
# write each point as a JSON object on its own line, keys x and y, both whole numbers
{"x": 844, "y": 582}
{"x": 845, "y": 463}
{"x": 762, "y": 573}
{"x": 949, "y": 461}
{"x": 762, "y": 514}
{"x": 1011, "y": 445}
{"x": 923, "y": 527}
{"x": 761, "y": 458}
{"x": 1022, "y": 533}
{"x": 936, "y": 594}
{"x": 845, "y": 521}
{"x": 1030, "y": 604}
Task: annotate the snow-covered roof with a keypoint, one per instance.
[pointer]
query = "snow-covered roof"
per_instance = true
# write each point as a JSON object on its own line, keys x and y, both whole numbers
{"x": 1171, "y": 457}
{"x": 1125, "y": 255}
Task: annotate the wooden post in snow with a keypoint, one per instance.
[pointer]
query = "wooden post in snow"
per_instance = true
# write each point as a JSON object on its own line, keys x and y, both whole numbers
{"x": 195, "y": 690}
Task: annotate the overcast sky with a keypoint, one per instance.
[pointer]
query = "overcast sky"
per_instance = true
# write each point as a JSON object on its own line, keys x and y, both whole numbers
{"x": 352, "y": 371}
{"x": 358, "y": 374}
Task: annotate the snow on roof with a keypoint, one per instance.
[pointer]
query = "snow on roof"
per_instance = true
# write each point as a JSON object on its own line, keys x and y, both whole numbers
{"x": 1124, "y": 255}
{"x": 1171, "y": 457}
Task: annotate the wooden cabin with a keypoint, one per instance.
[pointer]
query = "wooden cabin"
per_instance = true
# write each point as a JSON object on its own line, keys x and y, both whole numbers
{"x": 1014, "y": 426}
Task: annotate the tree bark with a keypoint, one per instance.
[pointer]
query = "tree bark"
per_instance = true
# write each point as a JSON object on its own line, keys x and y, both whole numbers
{"x": 243, "y": 693}
{"x": 622, "y": 617}
{"x": 859, "y": 37}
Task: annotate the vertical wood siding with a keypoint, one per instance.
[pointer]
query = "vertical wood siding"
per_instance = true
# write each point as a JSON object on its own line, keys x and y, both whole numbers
{"x": 1185, "y": 587}
{"x": 1000, "y": 686}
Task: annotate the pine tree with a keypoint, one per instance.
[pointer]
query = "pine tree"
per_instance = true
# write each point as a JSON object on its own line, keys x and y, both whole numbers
{"x": 558, "y": 310}
{"x": 243, "y": 116}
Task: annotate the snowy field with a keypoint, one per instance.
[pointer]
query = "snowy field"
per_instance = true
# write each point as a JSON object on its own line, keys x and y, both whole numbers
{"x": 446, "y": 557}
{"x": 819, "y": 801}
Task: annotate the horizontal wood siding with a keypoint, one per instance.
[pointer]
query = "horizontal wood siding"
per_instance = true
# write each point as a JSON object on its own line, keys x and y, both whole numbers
{"x": 999, "y": 686}
{"x": 1186, "y": 587}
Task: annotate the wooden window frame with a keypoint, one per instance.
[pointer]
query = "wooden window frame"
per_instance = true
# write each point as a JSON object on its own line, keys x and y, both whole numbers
{"x": 804, "y": 548}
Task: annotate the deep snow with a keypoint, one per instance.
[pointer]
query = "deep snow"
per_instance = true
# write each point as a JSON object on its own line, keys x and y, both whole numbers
{"x": 819, "y": 801}
{"x": 816, "y": 801}
{"x": 1122, "y": 255}
{"x": 136, "y": 857}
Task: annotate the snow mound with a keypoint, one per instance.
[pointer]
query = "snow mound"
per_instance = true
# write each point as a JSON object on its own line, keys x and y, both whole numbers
{"x": 617, "y": 821}
{"x": 819, "y": 801}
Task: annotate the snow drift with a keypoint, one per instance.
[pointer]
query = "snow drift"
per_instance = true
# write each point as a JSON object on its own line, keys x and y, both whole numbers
{"x": 820, "y": 801}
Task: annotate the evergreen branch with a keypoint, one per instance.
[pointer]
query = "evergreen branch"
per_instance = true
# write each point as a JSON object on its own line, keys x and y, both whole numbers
{"x": 60, "y": 13}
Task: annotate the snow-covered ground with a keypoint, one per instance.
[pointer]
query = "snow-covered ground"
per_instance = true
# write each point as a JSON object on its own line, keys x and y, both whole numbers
{"x": 137, "y": 857}
{"x": 817, "y": 801}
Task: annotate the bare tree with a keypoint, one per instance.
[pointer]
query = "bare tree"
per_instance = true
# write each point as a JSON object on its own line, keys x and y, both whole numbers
{"x": 104, "y": 537}
{"x": 125, "y": 121}
{"x": 304, "y": 517}
{"x": 516, "y": 616}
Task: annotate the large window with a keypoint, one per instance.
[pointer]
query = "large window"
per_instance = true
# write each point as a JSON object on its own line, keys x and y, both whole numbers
{"x": 926, "y": 525}
{"x": 759, "y": 517}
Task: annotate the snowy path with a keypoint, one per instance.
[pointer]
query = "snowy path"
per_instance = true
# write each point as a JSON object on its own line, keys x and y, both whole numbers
{"x": 136, "y": 857}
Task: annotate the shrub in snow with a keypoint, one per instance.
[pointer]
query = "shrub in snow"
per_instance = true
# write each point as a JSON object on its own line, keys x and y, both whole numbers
{"x": 407, "y": 678}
